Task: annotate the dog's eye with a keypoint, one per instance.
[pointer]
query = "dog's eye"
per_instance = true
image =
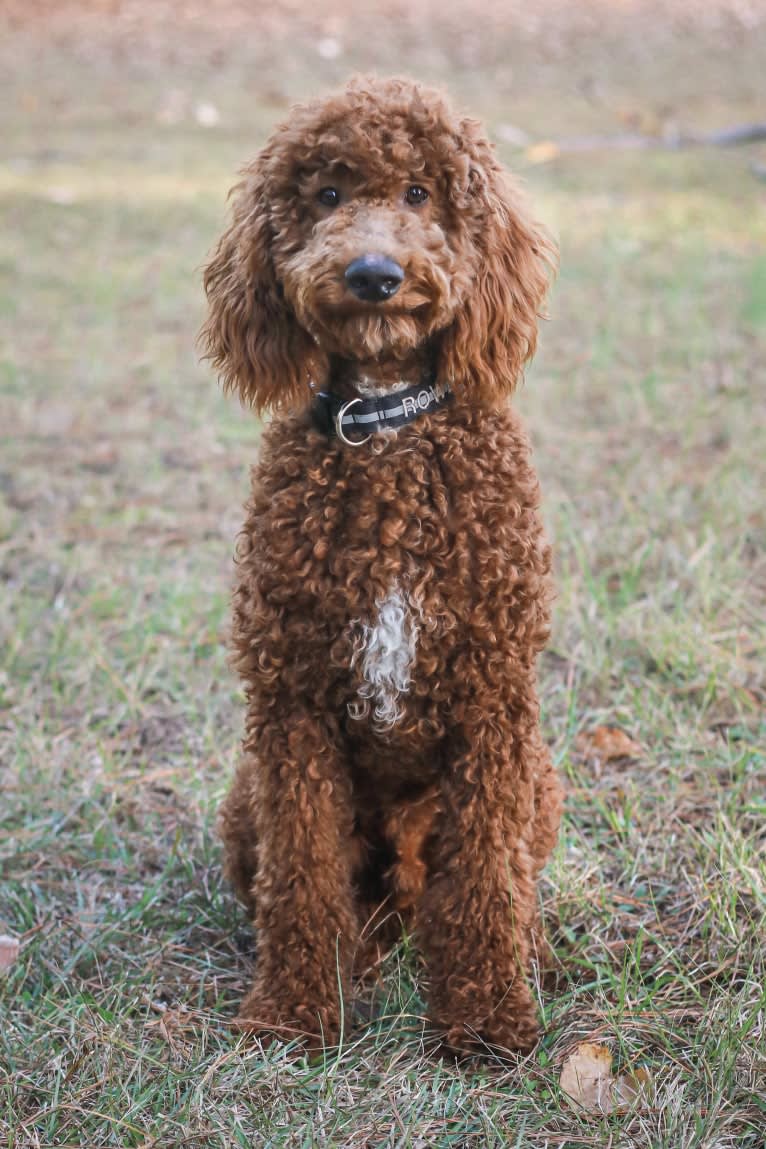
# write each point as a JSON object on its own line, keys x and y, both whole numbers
{"x": 329, "y": 197}
{"x": 416, "y": 194}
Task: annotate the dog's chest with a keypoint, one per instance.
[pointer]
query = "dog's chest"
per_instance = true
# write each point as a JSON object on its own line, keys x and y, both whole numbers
{"x": 356, "y": 560}
{"x": 383, "y": 656}
{"x": 399, "y": 564}
{"x": 380, "y": 575}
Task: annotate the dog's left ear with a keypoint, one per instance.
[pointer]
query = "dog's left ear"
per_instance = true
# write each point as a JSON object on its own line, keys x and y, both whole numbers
{"x": 495, "y": 331}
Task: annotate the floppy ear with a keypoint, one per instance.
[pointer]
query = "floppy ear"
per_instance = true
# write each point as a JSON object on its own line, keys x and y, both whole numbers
{"x": 495, "y": 332}
{"x": 251, "y": 335}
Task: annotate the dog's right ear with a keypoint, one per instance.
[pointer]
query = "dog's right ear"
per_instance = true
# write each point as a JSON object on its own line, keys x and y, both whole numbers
{"x": 251, "y": 335}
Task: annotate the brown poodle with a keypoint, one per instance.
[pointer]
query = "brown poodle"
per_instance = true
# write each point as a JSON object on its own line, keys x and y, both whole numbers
{"x": 378, "y": 289}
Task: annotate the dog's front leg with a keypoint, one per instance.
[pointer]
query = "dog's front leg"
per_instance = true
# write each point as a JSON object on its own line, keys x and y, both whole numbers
{"x": 304, "y": 914}
{"x": 477, "y": 912}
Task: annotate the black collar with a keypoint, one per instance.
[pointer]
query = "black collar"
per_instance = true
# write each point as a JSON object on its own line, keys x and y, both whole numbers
{"x": 331, "y": 414}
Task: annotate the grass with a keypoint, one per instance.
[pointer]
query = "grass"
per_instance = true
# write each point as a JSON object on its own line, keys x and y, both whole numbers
{"x": 122, "y": 478}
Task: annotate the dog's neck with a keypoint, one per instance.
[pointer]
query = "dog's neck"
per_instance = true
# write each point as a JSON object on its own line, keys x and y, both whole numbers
{"x": 369, "y": 378}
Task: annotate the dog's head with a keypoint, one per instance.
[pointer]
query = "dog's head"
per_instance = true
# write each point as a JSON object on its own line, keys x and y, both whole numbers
{"x": 371, "y": 223}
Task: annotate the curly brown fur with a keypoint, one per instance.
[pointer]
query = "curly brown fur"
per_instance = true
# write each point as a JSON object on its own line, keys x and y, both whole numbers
{"x": 425, "y": 791}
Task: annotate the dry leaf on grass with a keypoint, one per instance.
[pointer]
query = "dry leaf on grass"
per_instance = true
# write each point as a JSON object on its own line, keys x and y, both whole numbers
{"x": 542, "y": 153}
{"x": 587, "y": 1080}
{"x": 9, "y": 951}
{"x": 102, "y": 458}
{"x": 607, "y": 744}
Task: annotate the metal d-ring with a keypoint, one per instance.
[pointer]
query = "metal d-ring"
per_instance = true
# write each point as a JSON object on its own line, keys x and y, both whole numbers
{"x": 339, "y": 425}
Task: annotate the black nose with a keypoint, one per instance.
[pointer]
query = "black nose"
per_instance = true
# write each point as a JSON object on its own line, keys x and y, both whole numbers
{"x": 374, "y": 278}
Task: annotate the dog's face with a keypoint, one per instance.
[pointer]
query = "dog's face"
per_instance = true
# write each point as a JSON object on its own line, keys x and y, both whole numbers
{"x": 371, "y": 223}
{"x": 372, "y": 250}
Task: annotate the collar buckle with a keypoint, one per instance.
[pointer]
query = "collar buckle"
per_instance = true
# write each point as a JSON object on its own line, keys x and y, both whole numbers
{"x": 339, "y": 425}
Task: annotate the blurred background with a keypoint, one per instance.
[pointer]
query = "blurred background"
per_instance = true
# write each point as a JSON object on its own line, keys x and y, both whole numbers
{"x": 123, "y": 473}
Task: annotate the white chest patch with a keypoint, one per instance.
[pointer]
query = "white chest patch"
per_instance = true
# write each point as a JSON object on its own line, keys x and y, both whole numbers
{"x": 385, "y": 652}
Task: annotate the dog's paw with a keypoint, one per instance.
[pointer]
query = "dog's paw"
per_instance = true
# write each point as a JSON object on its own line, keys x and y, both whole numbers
{"x": 506, "y": 1030}
{"x": 262, "y": 1017}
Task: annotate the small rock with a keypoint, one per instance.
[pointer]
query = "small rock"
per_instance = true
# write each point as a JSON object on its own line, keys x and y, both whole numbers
{"x": 329, "y": 48}
{"x": 207, "y": 115}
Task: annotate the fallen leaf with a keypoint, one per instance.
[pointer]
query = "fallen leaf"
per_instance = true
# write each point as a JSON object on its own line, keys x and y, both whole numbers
{"x": 102, "y": 458}
{"x": 9, "y": 951}
{"x": 630, "y": 1086}
{"x": 543, "y": 152}
{"x": 607, "y": 743}
{"x": 588, "y": 1083}
{"x": 586, "y": 1076}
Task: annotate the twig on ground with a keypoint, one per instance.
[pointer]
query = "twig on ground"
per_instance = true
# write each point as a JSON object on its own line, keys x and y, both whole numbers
{"x": 634, "y": 141}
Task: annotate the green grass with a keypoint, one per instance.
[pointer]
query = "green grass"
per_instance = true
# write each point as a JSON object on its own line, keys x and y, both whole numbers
{"x": 121, "y": 483}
